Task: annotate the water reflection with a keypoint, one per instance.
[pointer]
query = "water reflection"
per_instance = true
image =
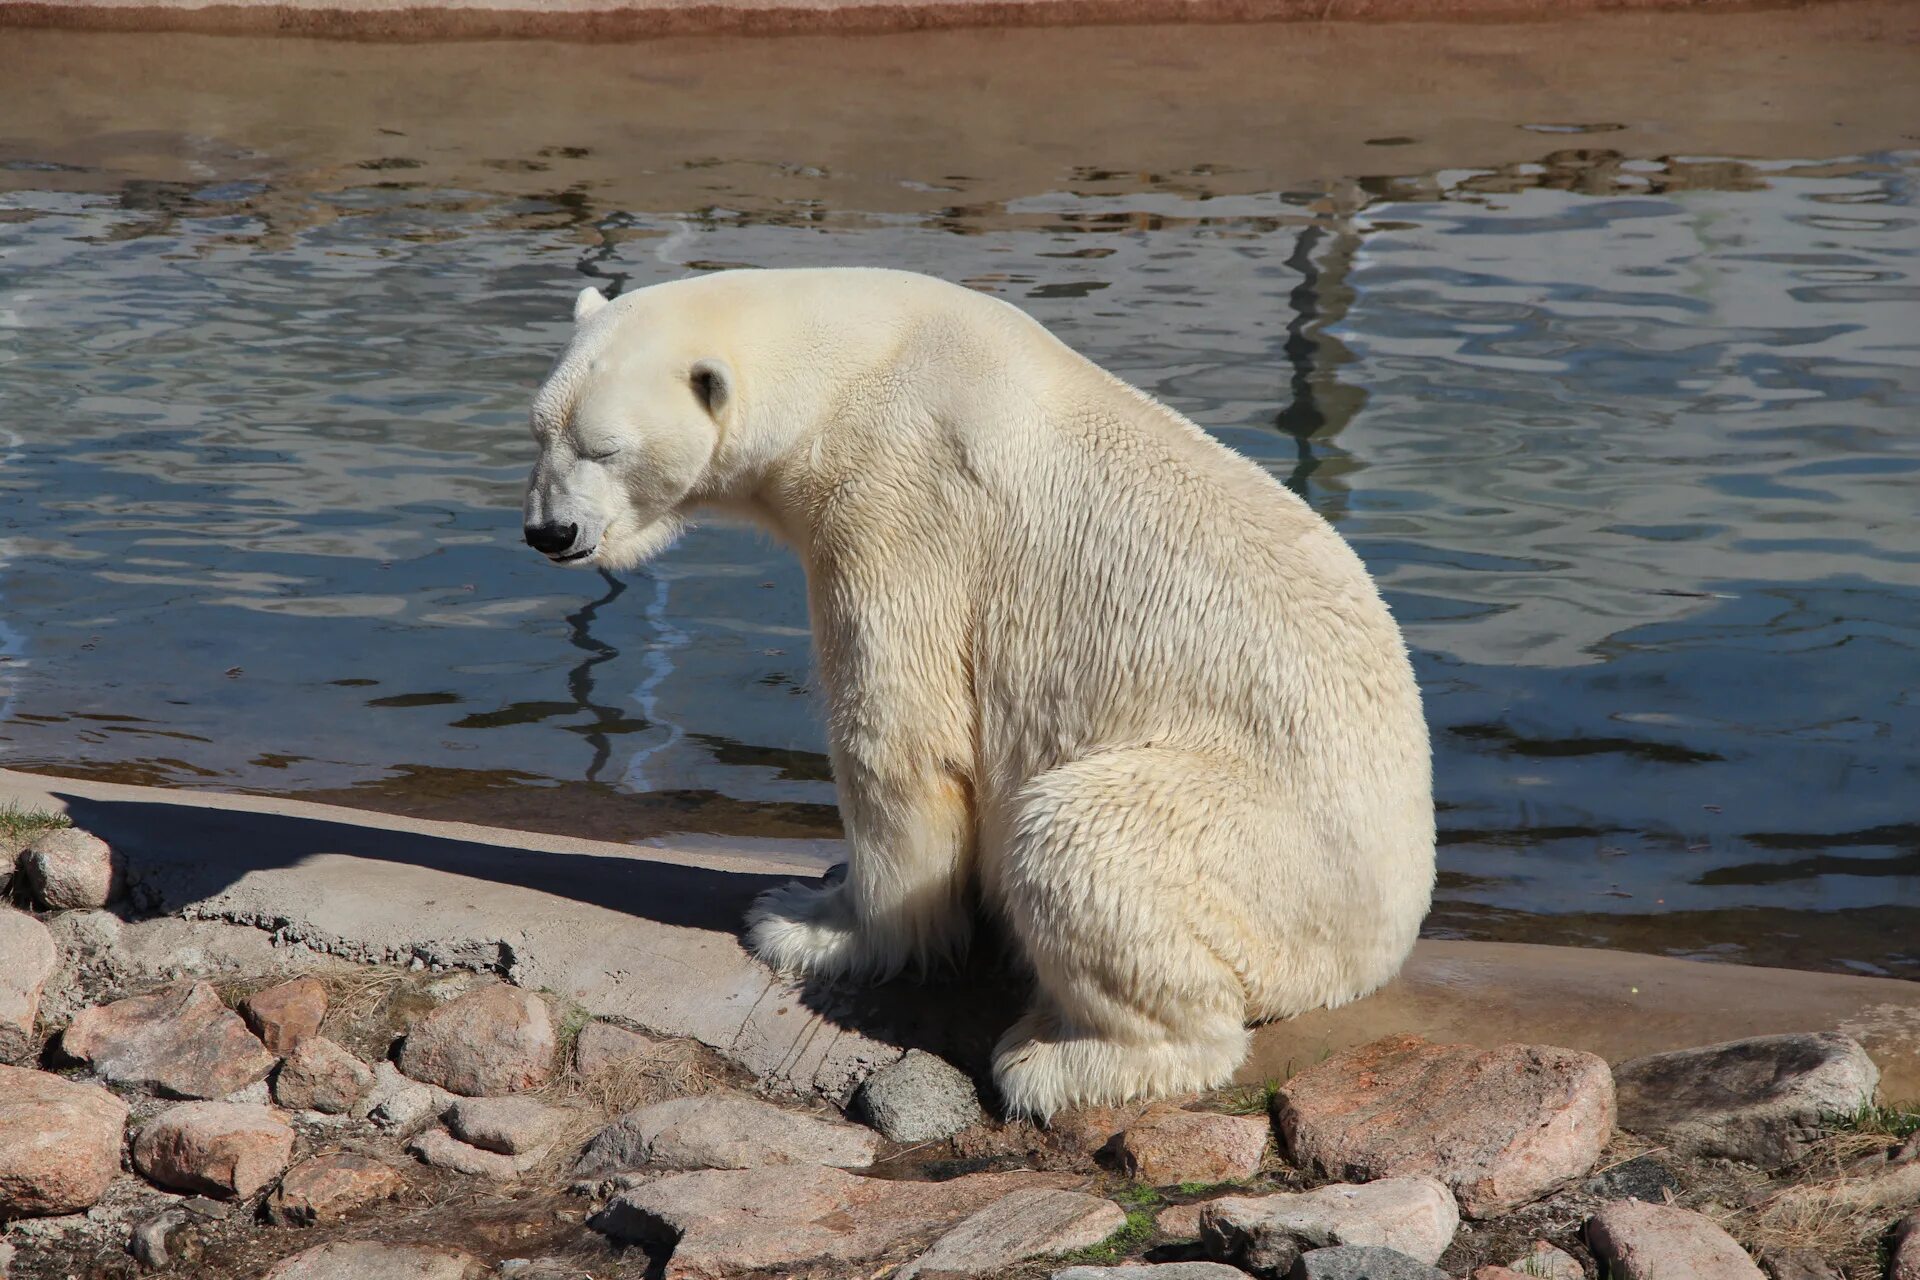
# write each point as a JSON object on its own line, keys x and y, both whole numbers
{"x": 1628, "y": 441}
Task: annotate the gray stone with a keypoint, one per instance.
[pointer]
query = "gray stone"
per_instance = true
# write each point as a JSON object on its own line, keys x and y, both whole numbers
{"x": 442, "y": 1150}
{"x": 67, "y": 869}
{"x": 724, "y": 1131}
{"x": 510, "y": 1126}
{"x": 6, "y": 1259}
{"x": 921, "y": 1098}
{"x": 1761, "y": 1100}
{"x": 1641, "y": 1178}
{"x": 151, "y": 1243}
{"x": 27, "y": 958}
{"x": 398, "y": 1104}
{"x": 1905, "y": 1263}
{"x": 365, "y": 1260}
{"x": 1151, "y": 1271}
{"x": 1640, "y": 1241}
{"x": 1035, "y": 1223}
{"x": 1414, "y": 1215}
{"x": 1362, "y": 1262}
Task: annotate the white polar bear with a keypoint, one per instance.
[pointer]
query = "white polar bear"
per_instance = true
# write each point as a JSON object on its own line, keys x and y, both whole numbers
{"x": 1080, "y": 660}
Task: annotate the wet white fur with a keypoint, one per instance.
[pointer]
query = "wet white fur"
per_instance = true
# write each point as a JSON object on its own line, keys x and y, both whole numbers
{"x": 1079, "y": 659}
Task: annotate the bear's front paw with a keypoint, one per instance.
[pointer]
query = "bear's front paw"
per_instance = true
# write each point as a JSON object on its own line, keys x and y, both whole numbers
{"x": 804, "y": 930}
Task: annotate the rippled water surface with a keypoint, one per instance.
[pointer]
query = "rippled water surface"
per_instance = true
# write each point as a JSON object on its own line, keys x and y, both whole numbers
{"x": 1632, "y": 444}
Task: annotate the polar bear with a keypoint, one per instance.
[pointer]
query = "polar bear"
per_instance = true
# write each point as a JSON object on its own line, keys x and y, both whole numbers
{"x": 1082, "y": 664}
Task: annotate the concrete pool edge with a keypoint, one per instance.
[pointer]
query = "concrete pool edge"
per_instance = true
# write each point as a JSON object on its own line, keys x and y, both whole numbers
{"x": 631, "y": 19}
{"x": 647, "y": 935}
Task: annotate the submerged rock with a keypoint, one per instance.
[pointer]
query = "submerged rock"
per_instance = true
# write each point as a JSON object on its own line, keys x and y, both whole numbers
{"x": 1500, "y": 1127}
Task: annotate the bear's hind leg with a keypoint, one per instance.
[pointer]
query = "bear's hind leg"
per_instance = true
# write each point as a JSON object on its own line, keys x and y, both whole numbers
{"x": 1107, "y": 887}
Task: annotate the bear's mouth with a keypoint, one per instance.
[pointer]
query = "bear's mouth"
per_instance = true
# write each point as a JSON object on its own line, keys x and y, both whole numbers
{"x": 572, "y": 556}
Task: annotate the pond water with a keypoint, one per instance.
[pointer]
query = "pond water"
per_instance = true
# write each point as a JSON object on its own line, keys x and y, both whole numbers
{"x": 1630, "y": 440}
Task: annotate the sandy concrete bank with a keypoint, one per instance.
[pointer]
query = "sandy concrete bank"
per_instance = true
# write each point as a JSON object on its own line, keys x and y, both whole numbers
{"x": 648, "y": 934}
{"x": 626, "y": 19}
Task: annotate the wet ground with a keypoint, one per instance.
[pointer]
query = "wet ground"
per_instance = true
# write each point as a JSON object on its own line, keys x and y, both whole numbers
{"x": 1597, "y": 339}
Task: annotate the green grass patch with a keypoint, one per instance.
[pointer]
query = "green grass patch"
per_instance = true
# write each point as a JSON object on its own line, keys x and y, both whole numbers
{"x": 1202, "y": 1188}
{"x": 1139, "y": 1194}
{"x": 1899, "y": 1120}
{"x": 17, "y": 823}
{"x": 1137, "y": 1232}
{"x": 1249, "y": 1100}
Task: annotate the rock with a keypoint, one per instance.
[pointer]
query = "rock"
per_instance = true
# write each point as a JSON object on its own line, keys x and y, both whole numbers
{"x": 67, "y": 869}
{"x": 442, "y": 1150}
{"x": 59, "y": 1143}
{"x": 494, "y": 1039}
{"x": 722, "y": 1221}
{"x": 365, "y": 1260}
{"x": 326, "y": 1189}
{"x": 285, "y": 1015}
{"x": 180, "y": 1041}
{"x": 398, "y": 1104}
{"x": 1180, "y": 1221}
{"x": 1034, "y": 1223}
{"x": 1362, "y": 1262}
{"x": 510, "y": 1126}
{"x": 1640, "y": 1241}
{"x": 6, "y": 1259}
{"x": 165, "y": 1241}
{"x": 10, "y": 847}
{"x": 1799, "y": 1264}
{"x": 1415, "y": 1215}
{"x": 319, "y": 1075}
{"x": 1500, "y": 1127}
{"x": 1168, "y": 1145}
{"x": 603, "y": 1046}
{"x": 1548, "y": 1263}
{"x": 1905, "y": 1263}
{"x": 27, "y": 957}
{"x": 1499, "y": 1273}
{"x": 920, "y": 1098}
{"x": 1155, "y": 1271}
{"x": 1760, "y": 1100}
{"x": 724, "y": 1131}
{"x": 1641, "y": 1178}
{"x": 221, "y": 1148}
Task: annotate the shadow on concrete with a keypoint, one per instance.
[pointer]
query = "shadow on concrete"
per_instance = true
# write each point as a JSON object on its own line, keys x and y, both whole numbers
{"x": 182, "y": 855}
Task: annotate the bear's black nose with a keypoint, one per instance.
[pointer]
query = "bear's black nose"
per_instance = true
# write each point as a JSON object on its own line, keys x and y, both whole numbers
{"x": 551, "y": 539}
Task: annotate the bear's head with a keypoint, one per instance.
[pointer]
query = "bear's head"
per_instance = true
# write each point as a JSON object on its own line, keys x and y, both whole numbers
{"x": 628, "y": 423}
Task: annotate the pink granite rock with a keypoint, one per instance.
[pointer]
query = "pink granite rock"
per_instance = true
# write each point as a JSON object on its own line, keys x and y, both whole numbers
{"x": 1168, "y": 1145}
{"x": 1641, "y": 1241}
{"x": 284, "y": 1015}
{"x": 220, "y": 1148}
{"x": 326, "y": 1189}
{"x": 319, "y": 1075}
{"x": 1414, "y": 1215}
{"x": 1035, "y": 1223}
{"x": 67, "y": 869}
{"x": 1500, "y": 1127}
{"x": 366, "y": 1260}
{"x": 27, "y": 957}
{"x": 59, "y": 1143}
{"x": 492, "y": 1040}
{"x": 180, "y": 1040}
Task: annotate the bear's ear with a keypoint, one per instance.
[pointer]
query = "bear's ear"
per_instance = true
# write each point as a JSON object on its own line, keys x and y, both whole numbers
{"x": 712, "y": 384}
{"x": 586, "y": 302}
